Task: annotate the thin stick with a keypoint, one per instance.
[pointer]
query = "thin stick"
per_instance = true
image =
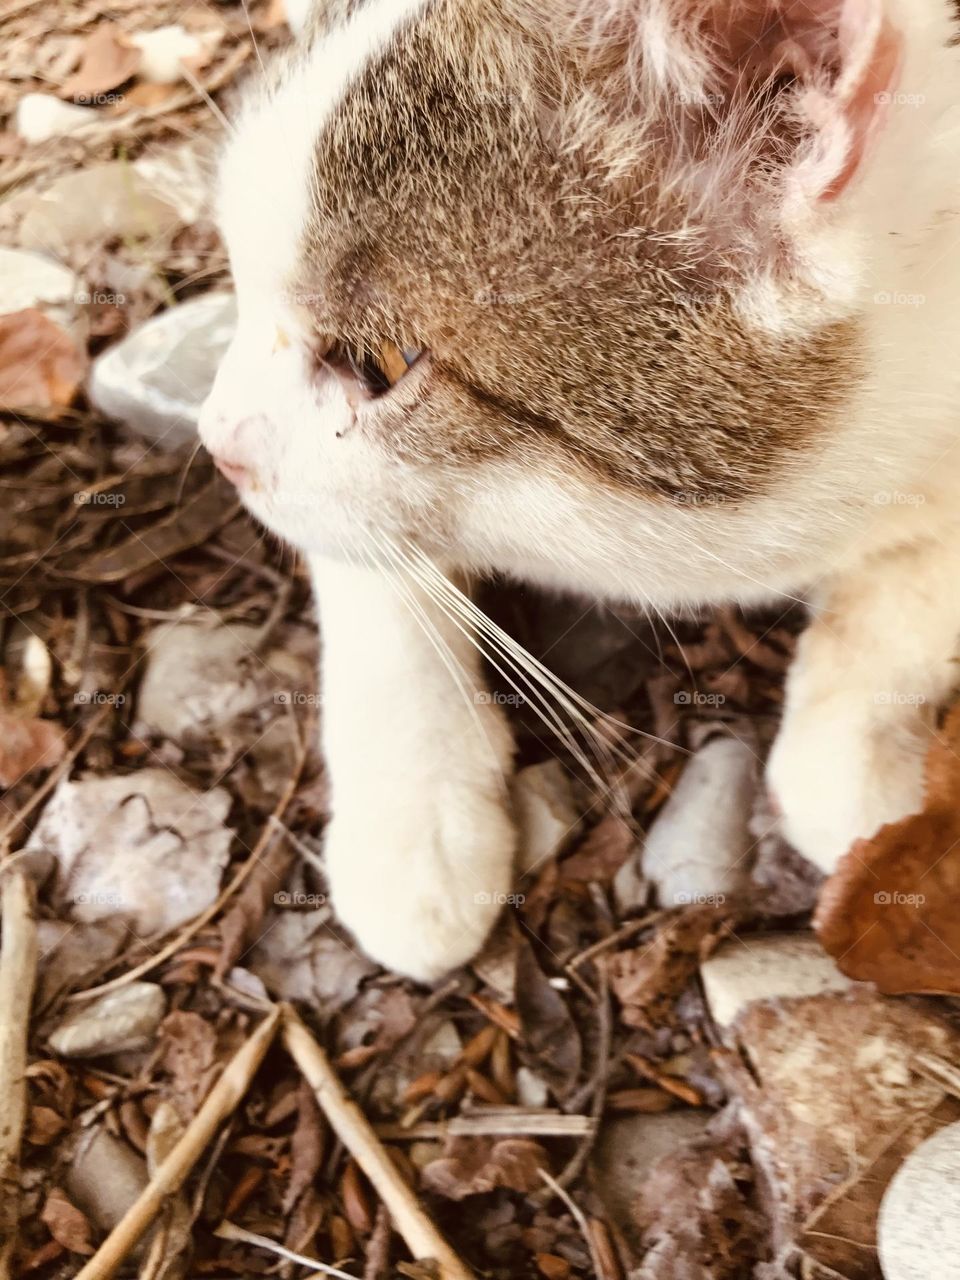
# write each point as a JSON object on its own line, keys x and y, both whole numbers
{"x": 18, "y": 972}
{"x": 354, "y": 1131}
{"x": 579, "y": 1217}
{"x": 228, "y": 1231}
{"x": 272, "y": 829}
{"x": 220, "y": 1102}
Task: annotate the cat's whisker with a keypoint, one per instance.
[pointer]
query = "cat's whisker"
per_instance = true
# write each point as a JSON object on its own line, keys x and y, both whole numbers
{"x": 402, "y": 590}
{"x": 530, "y": 694}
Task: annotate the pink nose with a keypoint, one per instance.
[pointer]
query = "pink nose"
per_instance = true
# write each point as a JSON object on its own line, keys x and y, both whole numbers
{"x": 236, "y": 472}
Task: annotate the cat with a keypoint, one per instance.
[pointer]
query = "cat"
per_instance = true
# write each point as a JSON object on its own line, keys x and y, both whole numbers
{"x": 652, "y": 300}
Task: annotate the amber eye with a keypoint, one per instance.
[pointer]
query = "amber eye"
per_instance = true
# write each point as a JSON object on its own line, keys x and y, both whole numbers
{"x": 377, "y": 370}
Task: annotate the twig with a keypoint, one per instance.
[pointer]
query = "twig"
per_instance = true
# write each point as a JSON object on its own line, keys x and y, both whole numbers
{"x": 220, "y": 1102}
{"x": 18, "y": 972}
{"x": 581, "y": 1220}
{"x": 354, "y": 1130}
{"x": 506, "y": 1122}
{"x": 269, "y": 833}
{"x": 227, "y": 1231}
{"x": 625, "y": 931}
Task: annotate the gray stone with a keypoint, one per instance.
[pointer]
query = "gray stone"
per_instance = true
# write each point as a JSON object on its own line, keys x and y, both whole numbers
{"x": 156, "y": 380}
{"x": 105, "y": 1177}
{"x": 698, "y": 848}
{"x": 626, "y": 1150}
{"x": 121, "y": 1020}
{"x": 919, "y": 1227}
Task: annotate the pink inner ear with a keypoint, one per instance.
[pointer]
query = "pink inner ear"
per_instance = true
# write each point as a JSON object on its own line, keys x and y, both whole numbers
{"x": 873, "y": 55}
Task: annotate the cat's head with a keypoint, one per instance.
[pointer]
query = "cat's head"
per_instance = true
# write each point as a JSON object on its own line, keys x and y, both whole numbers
{"x": 499, "y": 257}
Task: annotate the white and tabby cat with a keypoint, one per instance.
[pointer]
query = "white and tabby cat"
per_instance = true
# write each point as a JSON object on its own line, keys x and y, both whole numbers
{"x": 676, "y": 286}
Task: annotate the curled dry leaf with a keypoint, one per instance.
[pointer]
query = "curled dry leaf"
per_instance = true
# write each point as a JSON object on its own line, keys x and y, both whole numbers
{"x": 546, "y": 1026}
{"x": 68, "y": 1226}
{"x": 108, "y": 60}
{"x": 41, "y": 366}
{"x": 888, "y": 915}
{"x": 473, "y": 1166}
{"x": 27, "y": 744}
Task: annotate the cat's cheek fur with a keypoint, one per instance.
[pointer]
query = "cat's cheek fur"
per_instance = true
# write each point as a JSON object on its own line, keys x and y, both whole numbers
{"x": 419, "y": 850}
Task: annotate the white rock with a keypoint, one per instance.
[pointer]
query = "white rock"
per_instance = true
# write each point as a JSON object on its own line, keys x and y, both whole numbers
{"x": 158, "y": 377}
{"x": 546, "y": 815}
{"x": 98, "y": 203}
{"x": 443, "y": 1043}
{"x": 144, "y": 847}
{"x": 33, "y": 280}
{"x": 531, "y": 1090}
{"x": 199, "y": 678}
{"x": 41, "y": 116}
{"x": 118, "y": 1021}
{"x": 772, "y": 967}
{"x": 697, "y": 849}
{"x": 919, "y": 1227}
{"x": 164, "y": 49}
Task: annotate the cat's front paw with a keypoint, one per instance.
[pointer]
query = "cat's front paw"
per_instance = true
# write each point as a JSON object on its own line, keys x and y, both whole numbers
{"x": 836, "y": 775}
{"x": 421, "y": 886}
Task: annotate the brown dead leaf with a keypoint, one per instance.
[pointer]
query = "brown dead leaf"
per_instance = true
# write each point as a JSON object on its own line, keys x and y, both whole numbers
{"x": 41, "y": 366}
{"x": 888, "y": 915}
{"x": 601, "y": 855}
{"x": 473, "y": 1166}
{"x": 27, "y": 744}
{"x": 108, "y": 60}
{"x": 188, "y": 1053}
{"x": 68, "y": 1226}
{"x": 547, "y": 1028}
{"x": 647, "y": 979}
{"x": 306, "y": 1147}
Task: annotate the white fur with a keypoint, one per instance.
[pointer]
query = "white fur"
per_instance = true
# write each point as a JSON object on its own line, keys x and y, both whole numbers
{"x": 868, "y": 523}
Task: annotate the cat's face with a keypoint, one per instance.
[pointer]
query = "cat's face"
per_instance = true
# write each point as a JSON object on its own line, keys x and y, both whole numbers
{"x": 491, "y": 260}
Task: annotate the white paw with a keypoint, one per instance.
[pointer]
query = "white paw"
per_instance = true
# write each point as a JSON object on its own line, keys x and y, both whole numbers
{"x": 420, "y": 883}
{"x": 837, "y": 774}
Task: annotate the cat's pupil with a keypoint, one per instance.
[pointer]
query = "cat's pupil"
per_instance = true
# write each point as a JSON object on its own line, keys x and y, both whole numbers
{"x": 377, "y": 370}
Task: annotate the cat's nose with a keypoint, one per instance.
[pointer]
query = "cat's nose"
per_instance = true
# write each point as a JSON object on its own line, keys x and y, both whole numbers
{"x": 238, "y": 473}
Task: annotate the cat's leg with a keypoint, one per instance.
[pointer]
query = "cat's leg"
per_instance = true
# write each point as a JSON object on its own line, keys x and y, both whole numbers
{"x": 872, "y": 670}
{"x": 419, "y": 850}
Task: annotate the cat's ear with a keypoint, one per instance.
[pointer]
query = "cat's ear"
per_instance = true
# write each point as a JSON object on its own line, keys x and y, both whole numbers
{"x": 795, "y": 85}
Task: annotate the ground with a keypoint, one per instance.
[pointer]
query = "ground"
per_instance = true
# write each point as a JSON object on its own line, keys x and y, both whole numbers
{"x": 163, "y": 810}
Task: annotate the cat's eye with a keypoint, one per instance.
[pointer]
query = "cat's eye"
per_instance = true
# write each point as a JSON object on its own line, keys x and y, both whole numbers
{"x": 377, "y": 370}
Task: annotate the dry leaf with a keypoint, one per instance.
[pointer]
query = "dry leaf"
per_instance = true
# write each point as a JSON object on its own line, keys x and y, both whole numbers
{"x": 306, "y": 1147}
{"x": 546, "y": 1026}
{"x": 108, "y": 60}
{"x": 888, "y": 915}
{"x": 602, "y": 853}
{"x": 647, "y": 979}
{"x": 68, "y": 1226}
{"x": 473, "y": 1166}
{"x": 27, "y": 744}
{"x": 41, "y": 366}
